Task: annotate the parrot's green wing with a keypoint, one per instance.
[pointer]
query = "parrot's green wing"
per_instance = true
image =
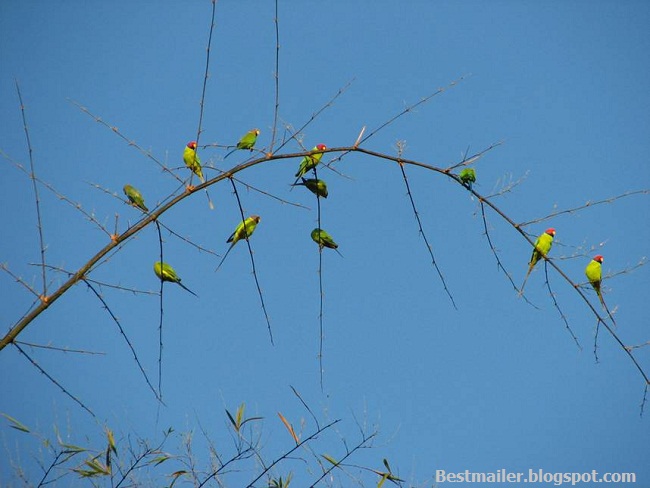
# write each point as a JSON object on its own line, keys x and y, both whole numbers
{"x": 135, "y": 197}
{"x": 316, "y": 186}
{"x": 245, "y": 229}
{"x": 309, "y": 162}
{"x": 323, "y": 239}
{"x": 468, "y": 176}
{"x": 594, "y": 272}
{"x": 542, "y": 247}
{"x": 166, "y": 273}
{"x": 193, "y": 162}
{"x": 248, "y": 140}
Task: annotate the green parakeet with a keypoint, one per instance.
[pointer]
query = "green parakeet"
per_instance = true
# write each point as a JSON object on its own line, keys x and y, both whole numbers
{"x": 467, "y": 176}
{"x": 594, "y": 273}
{"x": 323, "y": 239}
{"x": 247, "y": 141}
{"x": 166, "y": 273}
{"x": 542, "y": 247}
{"x": 316, "y": 186}
{"x": 192, "y": 160}
{"x": 311, "y": 161}
{"x": 135, "y": 197}
{"x": 244, "y": 230}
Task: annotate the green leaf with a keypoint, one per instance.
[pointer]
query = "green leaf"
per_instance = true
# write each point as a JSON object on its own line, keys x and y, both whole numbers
{"x": 330, "y": 459}
{"x": 232, "y": 420}
{"x": 382, "y": 480}
{"x": 15, "y": 424}
{"x": 111, "y": 440}
{"x": 159, "y": 459}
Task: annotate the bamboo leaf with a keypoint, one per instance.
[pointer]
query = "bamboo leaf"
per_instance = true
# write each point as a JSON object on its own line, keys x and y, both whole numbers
{"x": 15, "y": 424}
{"x": 289, "y": 428}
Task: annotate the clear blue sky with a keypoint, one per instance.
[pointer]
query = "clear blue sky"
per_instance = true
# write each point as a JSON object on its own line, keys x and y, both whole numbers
{"x": 494, "y": 384}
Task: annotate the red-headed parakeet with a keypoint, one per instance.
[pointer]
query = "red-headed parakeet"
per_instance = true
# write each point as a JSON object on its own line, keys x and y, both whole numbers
{"x": 594, "y": 273}
{"x": 166, "y": 273}
{"x": 311, "y": 161}
{"x": 192, "y": 160}
{"x": 247, "y": 141}
{"x": 135, "y": 197}
{"x": 542, "y": 247}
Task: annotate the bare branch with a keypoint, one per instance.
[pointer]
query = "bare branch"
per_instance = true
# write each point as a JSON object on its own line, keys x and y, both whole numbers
{"x": 126, "y": 139}
{"x": 276, "y": 77}
{"x": 62, "y": 349}
{"x": 51, "y": 378}
{"x": 424, "y": 236}
{"x": 126, "y": 338}
{"x": 582, "y": 207}
{"x": 557, "y": 306}
{"x": 250, "y": 252}
{"x": 32, "y": 175}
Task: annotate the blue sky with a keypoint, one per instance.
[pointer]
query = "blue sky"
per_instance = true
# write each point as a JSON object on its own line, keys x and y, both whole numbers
{"x": 494, "y": 384}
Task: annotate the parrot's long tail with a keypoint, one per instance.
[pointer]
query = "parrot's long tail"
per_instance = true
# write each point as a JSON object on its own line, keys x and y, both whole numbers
{"x": 521, "y": 290}
{"x": 602, "y": 302}
{"x": 224, "y": 257}
{"x": 187, "y": 289}
{"x": 230, "y": 152}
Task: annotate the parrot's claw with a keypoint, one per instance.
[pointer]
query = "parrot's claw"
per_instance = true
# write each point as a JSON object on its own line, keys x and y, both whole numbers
{"x": 189, "y": 188}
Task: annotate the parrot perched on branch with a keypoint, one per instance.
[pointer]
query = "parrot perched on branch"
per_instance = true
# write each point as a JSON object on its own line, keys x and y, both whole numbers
{"x": 192, "y": 160}
{"x": 166, "y": 273}
{"x": 135, "y": 197}
{"x": 316, "y": 186}
{"x": 467, "y": 177}
{"x": 311, "y": 161}
{"x": 244, "y": 230}
{"x": 542, "y": 247}
{"x": 247, "y": 141}
{"x": 594, "y": 273}
{"x": 323, "y": 239}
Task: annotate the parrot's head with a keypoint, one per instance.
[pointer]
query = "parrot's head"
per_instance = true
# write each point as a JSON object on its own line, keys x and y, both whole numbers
{"x": 256, "y": 218}
{"x": 321, "y": 147}
{"x": 256, "y": 132}
{"x": 550, "y": 231}
{"x": 192, "y": 145}
{"x": 599, "y": 259}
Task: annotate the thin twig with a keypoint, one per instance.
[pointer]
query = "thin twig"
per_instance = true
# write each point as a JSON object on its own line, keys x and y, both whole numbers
{"x": 424, "y": 236}
{"x": 474, "y": 157}
{"x": 557, "y": 306}
{"x": 321, "y": 291}
{"x": 276, "y": 77}
{"x": 130, "y": 142}
{"x": 160, "y": 324}
{"x": 39, "y": 220}
{"x": 288, "y": 453}
{"x": 49, "y": 377}
{"x": 250, "y": 252}
{"x": 18, "y": 279}
{"x": 582, "y": 207}
{"x": 126, "y": 338}
{"x": 62, "y": 349}
{"x": 496, "y": 255}
{"x": 315, "y": 115}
